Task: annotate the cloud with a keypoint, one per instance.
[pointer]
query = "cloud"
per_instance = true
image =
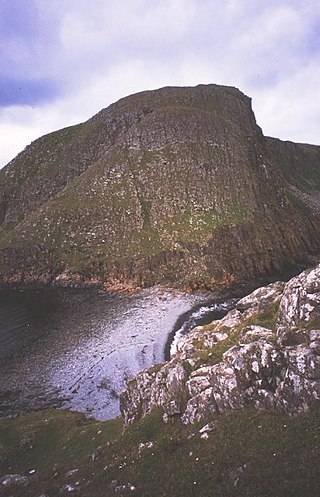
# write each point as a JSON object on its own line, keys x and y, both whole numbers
{"x": 29, "y": 40}
{"x": 21, "y": 92}
{"x": 60, "y": 62}
{"x": 292, "y": 105}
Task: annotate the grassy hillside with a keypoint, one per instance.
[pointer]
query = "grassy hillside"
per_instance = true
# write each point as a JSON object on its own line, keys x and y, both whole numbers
{"x": 246, "y": 453}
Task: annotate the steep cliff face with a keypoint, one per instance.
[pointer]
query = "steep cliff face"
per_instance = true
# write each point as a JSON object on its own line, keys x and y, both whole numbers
{"x": 300, "y": 165}
{"x": 263, "y": 354}
{"x": 173, "y": 185}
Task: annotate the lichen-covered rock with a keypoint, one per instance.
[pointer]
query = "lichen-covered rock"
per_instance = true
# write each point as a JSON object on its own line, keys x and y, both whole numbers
{"x": 257, "y": 374}
{"x": 187, "y": 347}
{"x": 135, "y": 401}
{"x": 236, "y": 362}
{"x": 255, "y": 332}
{"x": 300, "y": 303}
{"x": 260, "y": 299}
{"x": 164, "y": 388}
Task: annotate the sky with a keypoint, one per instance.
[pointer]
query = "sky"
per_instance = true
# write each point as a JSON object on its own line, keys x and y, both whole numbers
{"x": 61, "y": 61}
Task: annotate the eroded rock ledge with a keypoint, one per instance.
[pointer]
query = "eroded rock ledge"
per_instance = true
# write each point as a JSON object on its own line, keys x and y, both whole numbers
{"x": 264, "y": 353}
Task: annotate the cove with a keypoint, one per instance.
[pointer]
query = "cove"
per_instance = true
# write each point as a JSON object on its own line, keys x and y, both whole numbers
{"x": 76, "y": 348}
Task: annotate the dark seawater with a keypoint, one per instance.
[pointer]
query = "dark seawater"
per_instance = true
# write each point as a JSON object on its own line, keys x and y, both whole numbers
{"x": 13, "y": 328}
{"x": 21, "y": 316}
{"x": 76, "y": 349}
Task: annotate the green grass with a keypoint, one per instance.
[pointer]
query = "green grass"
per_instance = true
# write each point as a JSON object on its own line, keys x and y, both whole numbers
{"x": 248, "y": 453}
{"x": 313, "y": 324}
{"x": 267, "y": 318}
{"x": 48, "y": 437}
{"x": 213, "y": 355}
{"x": 193, "y": 226}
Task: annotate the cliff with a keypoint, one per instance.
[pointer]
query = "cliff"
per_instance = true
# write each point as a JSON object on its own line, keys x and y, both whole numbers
{"x": 176, "y": 185}
{"x": 300, "y": 166}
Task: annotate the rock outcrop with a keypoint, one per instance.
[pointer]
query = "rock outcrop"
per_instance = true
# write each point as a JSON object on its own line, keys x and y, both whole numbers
{"x": 264, "y": 353}
{"x": 176, "y": 185}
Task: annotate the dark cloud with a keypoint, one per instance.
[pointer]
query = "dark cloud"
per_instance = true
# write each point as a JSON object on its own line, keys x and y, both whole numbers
{"x": 19, "y": 19}
{"x": 25, "y": 92}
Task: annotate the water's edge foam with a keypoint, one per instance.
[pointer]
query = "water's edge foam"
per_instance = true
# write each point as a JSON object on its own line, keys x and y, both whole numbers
{"x": 197, "y": 316}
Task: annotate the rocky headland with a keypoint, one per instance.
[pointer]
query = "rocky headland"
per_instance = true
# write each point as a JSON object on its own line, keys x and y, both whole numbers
{"x": 265, "y": 354}
{"x": 176, "y": 186}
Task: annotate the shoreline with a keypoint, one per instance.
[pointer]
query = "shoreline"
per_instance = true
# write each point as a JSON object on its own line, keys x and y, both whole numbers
{"x": 82, "y": 358}
{"x": 115, "y": 285}
{"x": 96, "y": 343}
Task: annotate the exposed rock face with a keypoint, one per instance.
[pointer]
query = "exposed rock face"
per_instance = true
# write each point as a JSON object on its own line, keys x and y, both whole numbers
{"x": 173, "y": 185}
{"x": 300, "y": 166}
{"x": 264, "y": 353}
{"x": 300, "y": 302}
